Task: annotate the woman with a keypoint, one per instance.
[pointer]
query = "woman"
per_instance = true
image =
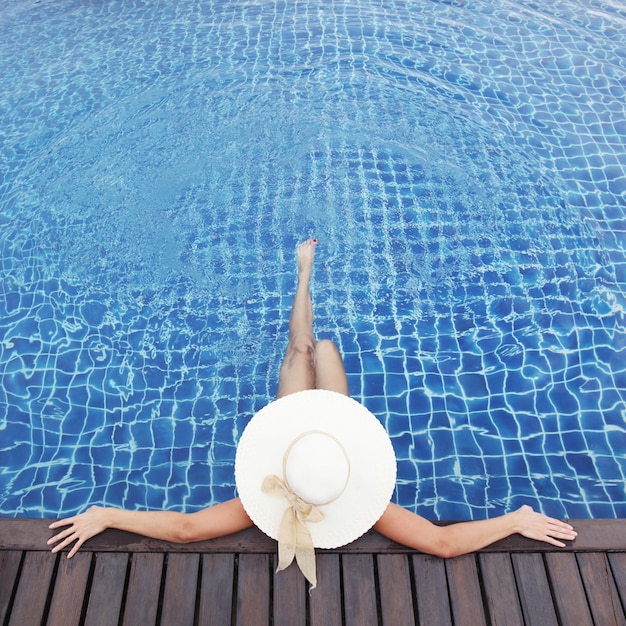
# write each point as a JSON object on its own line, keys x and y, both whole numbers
{"x": 311, "y": 364}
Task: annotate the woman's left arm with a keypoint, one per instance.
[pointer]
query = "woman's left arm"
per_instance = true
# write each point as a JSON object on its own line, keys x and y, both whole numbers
{"x": 416, "y": 532}
{"x": 215, "y": 521}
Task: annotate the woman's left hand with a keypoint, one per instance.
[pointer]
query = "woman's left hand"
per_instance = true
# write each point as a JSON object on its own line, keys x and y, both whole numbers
{"x": 80, "y": 528}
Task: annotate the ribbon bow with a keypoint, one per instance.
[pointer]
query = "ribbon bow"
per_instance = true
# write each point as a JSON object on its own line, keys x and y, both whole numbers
{"x": 294, "y": 538}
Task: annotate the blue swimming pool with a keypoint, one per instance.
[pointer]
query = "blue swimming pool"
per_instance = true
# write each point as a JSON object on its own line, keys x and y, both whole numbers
{"x": 464, "y": 168}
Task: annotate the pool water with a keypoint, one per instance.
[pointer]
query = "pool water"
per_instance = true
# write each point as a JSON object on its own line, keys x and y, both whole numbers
{"x": 463, "y": 166}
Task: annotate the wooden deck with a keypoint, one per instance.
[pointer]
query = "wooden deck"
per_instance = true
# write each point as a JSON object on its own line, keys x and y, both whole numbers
{"x": 121, "y": 578}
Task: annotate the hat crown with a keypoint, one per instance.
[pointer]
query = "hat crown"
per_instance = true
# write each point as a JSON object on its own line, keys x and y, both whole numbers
{"x": 316, "y": 467}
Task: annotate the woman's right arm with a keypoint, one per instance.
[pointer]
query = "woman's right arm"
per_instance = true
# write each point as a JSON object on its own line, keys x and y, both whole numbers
{"x": 416, "y": 532}
{"x": 215, "y": 521}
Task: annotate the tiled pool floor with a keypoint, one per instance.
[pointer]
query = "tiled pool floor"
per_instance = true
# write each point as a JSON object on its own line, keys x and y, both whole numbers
{"x": 463, "y": 168}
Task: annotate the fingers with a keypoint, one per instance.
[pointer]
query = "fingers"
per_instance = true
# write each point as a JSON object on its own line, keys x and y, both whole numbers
{"x": 75, "y": 549}
{"x": 65, "y": 537}
{"x": 561, "y": 529}
{"x": 79, "y": 529}
{"x": 62, "y": 522}
{"x": 66, "y": 542}
{"x": 57, "y": 524}
{"x": 543, "y": 528}
{"x": 558, "y": 522}
{"x": 60, "y": 535}
{"x": 554, "y": 542}
{"x": 563, "y": 533}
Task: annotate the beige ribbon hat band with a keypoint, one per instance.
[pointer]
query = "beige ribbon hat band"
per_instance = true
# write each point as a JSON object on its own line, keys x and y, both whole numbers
{"x": 316, "y": 470}
{"x": 294, "y": 538}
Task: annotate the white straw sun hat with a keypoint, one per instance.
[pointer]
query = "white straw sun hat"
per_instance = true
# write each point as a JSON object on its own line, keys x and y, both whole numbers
{"x": 314, "y": 469}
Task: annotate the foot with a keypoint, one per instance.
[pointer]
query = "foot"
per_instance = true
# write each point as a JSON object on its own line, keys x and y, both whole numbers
{"x": 306, "y": 253}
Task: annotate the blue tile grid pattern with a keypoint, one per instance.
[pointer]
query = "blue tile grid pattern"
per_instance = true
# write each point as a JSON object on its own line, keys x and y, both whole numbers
{"x": 463, "y": 166}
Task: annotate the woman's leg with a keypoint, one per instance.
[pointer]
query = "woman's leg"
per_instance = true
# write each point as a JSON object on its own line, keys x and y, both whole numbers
{"x": 329, "y": 369}
{"x": 297, "y": 372}
{"x": 309, "y": 364}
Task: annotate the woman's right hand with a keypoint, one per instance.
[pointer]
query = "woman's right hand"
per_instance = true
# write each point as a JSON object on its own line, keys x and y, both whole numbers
{"x": 80, "y": 528}
{"x": 541, "y": 527}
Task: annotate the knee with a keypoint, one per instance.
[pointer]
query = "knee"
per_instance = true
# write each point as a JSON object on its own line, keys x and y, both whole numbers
{"x": 302, "y": 344}
{"x": 325, "y": 349}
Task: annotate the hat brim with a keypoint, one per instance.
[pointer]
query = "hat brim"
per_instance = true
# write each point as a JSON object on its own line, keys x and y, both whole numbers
{"x": 372, "y": 463}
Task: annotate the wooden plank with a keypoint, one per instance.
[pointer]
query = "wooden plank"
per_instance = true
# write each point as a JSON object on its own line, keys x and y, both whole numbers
{"x": 464, "y": 588}
{"x": 534, "y": 590}
{"x": 32, "y": 534}
{"x": 604, "y": 601}
{"x": 70, "y": 588}
{"x": 10, "y": 561}
{"x": 500, "y": 589}
{"x": 32, "y": 589}
{"x": 535, "y": 572}
{"x": 253, "y": 590}
{"x": 216, "y": 589}
{"x": 568, "y": 592}
{"x": 617, "y": 562}
{"x": 325, "y": 599}
{"x": 180, "y": 589}
{"x": 104, "y": 605}
{"x": 359, "y": 590}
{"x": 290, "y": 589}
{"x": 431, "y": 591}
{"x": 396, "y": 597}
{"x": 144, "y": 587}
